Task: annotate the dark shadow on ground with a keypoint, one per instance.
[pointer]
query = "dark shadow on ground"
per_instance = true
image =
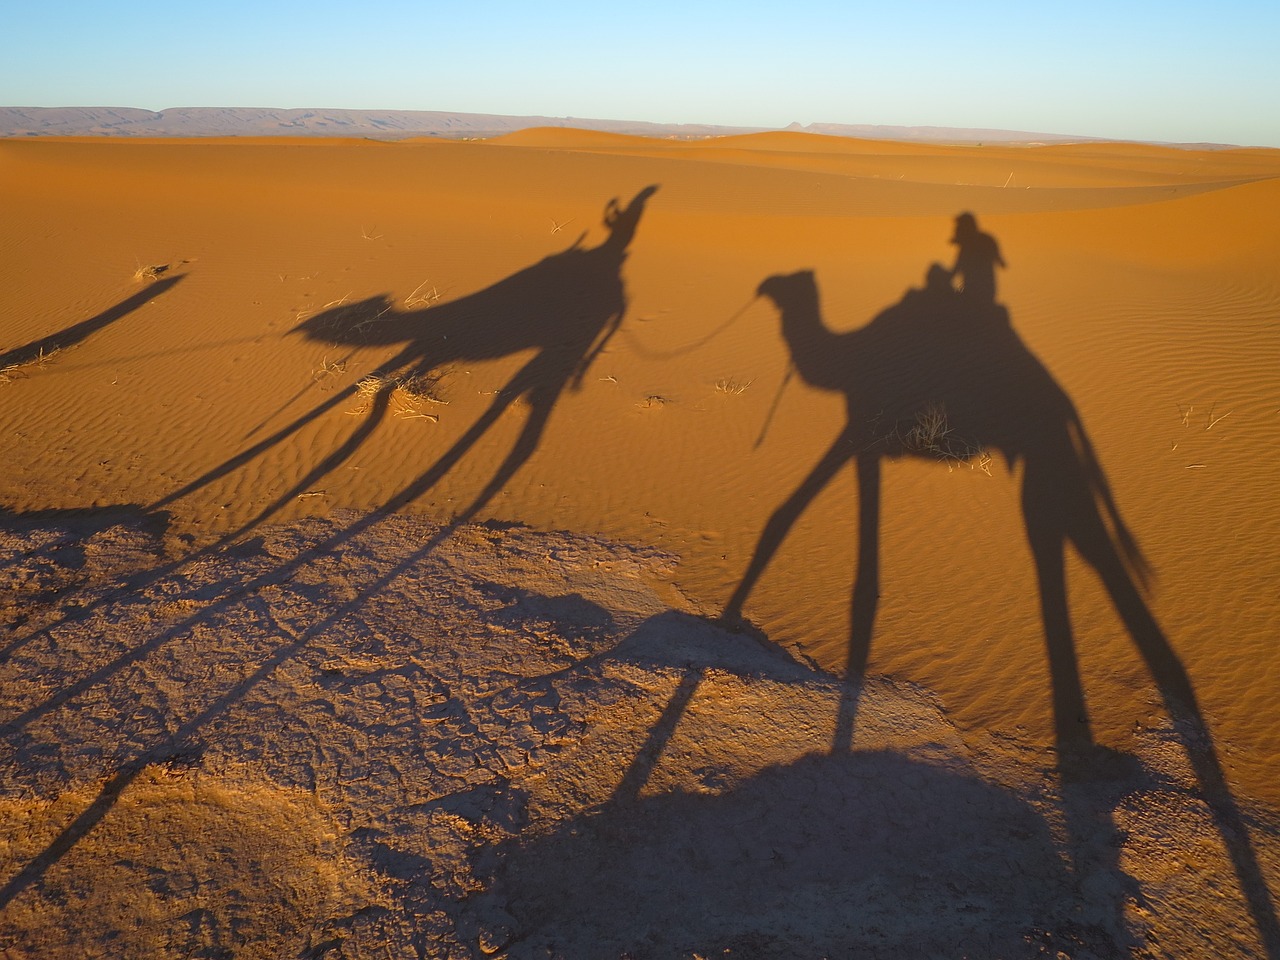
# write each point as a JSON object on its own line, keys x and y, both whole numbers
{"x": 565, "y": 309}
{"x": 76, "y": 333}
{"x": 846, "y": 855}
{"x": 942, "y": 375}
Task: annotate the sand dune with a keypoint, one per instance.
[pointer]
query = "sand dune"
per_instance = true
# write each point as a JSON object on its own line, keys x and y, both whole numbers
{"x": 225, "y": 338}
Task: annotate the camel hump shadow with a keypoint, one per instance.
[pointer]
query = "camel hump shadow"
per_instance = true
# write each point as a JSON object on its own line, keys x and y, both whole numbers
{"x": 941, "y": 375}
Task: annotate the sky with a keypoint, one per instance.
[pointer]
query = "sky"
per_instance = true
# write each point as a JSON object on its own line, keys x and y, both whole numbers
{"x": 1169, "y": 71}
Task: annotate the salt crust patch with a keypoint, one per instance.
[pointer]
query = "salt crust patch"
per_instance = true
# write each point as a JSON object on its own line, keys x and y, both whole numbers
{"x": 375, "y": 736}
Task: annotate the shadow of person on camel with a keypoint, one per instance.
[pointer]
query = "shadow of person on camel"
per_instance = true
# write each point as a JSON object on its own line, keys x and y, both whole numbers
{"x": 942, "y": 375}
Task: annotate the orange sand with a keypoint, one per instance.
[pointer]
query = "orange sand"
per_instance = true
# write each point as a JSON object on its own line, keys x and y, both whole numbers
{"x": 1144, "y": 279}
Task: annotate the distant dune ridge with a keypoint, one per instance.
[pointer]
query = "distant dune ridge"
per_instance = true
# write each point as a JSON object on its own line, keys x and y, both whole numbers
{"x": 399, "y": 124}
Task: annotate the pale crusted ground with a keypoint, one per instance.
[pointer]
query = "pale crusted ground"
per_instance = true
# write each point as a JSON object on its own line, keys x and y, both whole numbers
{"x": 376, "y": 737}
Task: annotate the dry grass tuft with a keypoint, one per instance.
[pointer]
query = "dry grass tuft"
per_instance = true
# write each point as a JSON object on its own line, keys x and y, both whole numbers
{"x": 421, "y": 297}
{"x": 149, "y": 272}
{"x": 932, "y": 435}
{"x": 1210, "y": 420}
{"x": 732, "y": 388}
{"x": 405, "y": 397}
{"x": 328, "y": 368}
{"x": 17, "y": 371}
{"x": 931, "y": 432}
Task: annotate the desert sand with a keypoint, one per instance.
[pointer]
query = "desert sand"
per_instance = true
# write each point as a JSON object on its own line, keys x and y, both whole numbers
{"x": 580, "y": 545}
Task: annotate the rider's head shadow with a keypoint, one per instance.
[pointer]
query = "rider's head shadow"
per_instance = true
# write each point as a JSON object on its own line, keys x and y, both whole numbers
{"x": 977, "y": 256}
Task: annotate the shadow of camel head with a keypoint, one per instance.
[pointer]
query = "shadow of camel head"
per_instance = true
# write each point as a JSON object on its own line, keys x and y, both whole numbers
{"x": 796, "y": 291}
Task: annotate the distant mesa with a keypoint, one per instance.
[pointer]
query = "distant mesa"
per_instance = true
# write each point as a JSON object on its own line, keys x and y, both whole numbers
{"x": 315, "y": 122}
{"x": 405, "y": 124}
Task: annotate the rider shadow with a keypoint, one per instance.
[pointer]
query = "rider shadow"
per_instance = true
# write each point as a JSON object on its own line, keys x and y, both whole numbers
{"x": 943, "y": 376}
{"x": 565, "y": 309}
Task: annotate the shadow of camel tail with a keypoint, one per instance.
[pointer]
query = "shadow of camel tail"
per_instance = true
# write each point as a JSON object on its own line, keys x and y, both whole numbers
{"x": 1123, "y": 540}
{"x": 1067, "y": 499}
{"x": 1183, "y": 707}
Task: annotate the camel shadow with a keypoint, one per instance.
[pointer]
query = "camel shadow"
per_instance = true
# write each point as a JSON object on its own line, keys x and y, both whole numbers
{"x": 565, "y": 309}
{"x": 942, "y": 375}
{"x": 48, "y": 345}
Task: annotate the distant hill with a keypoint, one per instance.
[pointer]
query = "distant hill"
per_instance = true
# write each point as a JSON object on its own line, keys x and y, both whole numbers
{"x": 401, "y": 124}
{"x": 266, "y": 122}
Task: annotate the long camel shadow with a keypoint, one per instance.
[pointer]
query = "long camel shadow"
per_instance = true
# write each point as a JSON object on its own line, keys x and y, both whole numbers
{"x": 76, "y": 333}
{"x": 943, "y": 375}
{"x": 565, "y": 308}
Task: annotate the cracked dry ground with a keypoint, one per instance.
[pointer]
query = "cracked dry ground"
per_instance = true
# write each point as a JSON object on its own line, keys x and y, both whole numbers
{"x": 378, "y": 737}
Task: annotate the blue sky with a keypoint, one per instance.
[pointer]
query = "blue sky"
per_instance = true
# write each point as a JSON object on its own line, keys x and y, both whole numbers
{"x": 1135, "y": 70}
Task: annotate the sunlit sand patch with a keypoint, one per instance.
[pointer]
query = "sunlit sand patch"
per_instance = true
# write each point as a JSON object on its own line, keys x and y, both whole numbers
{"x": 180, "y": 864}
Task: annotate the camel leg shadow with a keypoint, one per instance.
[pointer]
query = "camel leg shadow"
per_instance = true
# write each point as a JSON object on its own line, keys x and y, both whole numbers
{"x": 866, "y": 584}
{"x": 542, "y": 392}
{"x": 1050, "y": 524}
{"x": 864, "y": 602}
